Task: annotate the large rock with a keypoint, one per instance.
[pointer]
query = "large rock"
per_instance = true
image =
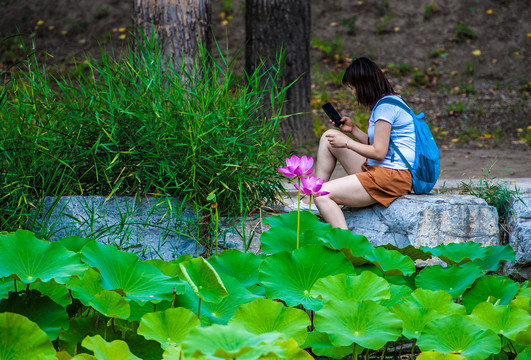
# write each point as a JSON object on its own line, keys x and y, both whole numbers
{"x": 518, "y": 223}
{"x": 427, "y": 220}
{"x": 152, "y": 227}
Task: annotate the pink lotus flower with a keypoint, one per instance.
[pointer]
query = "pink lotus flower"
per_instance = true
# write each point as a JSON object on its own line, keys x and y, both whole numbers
{"x": 297, "y": 167}
{"x": 312, "y": 186}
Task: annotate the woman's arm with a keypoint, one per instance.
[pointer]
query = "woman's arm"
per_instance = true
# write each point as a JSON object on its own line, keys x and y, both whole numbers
{"x": 376, "y": 151}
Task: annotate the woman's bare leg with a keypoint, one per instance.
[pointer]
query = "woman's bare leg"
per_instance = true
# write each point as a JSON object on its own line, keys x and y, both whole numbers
{"x": 328, "y": 156}
{"x": 343, "y": 191}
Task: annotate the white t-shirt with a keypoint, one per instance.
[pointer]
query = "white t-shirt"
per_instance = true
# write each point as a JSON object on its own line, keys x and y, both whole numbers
{"x": 402, "y": 134}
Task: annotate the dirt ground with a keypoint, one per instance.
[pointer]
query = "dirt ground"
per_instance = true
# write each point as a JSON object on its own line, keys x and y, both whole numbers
{"x": 464, "y": 63}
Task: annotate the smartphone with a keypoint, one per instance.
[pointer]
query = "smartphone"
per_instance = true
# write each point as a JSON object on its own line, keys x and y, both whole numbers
{"x": 332, "y": 114}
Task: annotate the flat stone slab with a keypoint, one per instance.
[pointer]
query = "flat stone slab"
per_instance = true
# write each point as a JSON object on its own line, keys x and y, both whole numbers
{"x": 427, "y": 220}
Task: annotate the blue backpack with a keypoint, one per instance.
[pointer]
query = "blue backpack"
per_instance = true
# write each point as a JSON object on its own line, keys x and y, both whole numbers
{"x": 425, "y": 169}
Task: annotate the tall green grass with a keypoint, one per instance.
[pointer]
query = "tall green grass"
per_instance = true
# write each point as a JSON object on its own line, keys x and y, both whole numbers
{"x": 131, "y": 125}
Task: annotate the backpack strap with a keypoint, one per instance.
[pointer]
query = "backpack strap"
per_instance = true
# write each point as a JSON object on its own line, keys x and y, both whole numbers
{"x": 392, "y": 101}
{"x": 395, "y": 148}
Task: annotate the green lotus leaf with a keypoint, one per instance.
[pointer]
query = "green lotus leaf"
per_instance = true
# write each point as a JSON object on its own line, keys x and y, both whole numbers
{"x": 103, "y": 350}
{"x": 241, "y": 266}
{"x": 79, "y": 328}
{"x": 21, "y": 338}
{"x": 524, "y": 337}
{"x": 137, "y": 311}
{"x": 490, "y": 287}
{"x": 458, "y": 253}
{"x": 435, "y": 355}
{"x": 6, "y": 286}
{"x": 289, "y": 276}
{"x": 366, "y": 286}
{"x": 87, "y": 287}
{"x": 438, "y": 300}
{"x": 414, "y": 318}
{"x": 362, "y": 322}
{"x": 524, "y": 355}
{"x": 353, "y": 246}
{"x": 293, "y": 352}
{"x": 84, "y": 357}
{"x": 408, "y": 280}
{"x": 454, "y": 279}
{"x": 168, "y": 268}
{"x": 410, "y": 251}
{"x": 283, "y": 233}
{"x": 57, "y": 292}
{"x": 501, "y": 319}
{"x": 322, "y": 346}
{"x": 229, "y": 341}
{"x": 453, "y": 334}
{"x": 525, "y": 290}
{"x": 168, "y": 327}
{"x": 139, "y": 281}
{"x": 495, "y": 255}
{"x": 523, "y": 303}
{"x": 141, "y": 347}
{"x": 398, "y": 293}
{"x": 50, "y": 316}
{"x": 74, "y": 243}
{"x": 26, "y": 258}
{"x": 111, "y": 304}
{"x": 221, "y": 312}
{"x": 204, "y": 280}
{"x": 171, "y": 268}
{"x": 391, "y": 262}
{"x": 263, "y": 315}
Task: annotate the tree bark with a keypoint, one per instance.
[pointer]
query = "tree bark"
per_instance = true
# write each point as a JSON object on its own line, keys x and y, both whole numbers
{"x": 272, "y": 25}
{"x": 178, "y": 25}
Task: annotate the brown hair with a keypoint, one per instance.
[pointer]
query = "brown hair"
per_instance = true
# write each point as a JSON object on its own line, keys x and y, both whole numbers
{"x": 369, "y": 80}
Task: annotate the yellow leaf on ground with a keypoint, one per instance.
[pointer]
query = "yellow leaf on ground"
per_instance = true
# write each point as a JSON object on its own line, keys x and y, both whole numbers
{"x": 476, "y": 52}
{"x": 454, "y": 140}
{"x": 40, "y": 22}
{"x": 489, "y": 11}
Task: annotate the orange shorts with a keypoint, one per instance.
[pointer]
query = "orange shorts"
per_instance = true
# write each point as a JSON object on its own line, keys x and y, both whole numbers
{"x": 385, "y": 185}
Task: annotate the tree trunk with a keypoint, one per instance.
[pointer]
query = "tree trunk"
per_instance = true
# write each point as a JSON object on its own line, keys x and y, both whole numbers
{"x": 272, "y": 25}
{"x": 178, "y": 25}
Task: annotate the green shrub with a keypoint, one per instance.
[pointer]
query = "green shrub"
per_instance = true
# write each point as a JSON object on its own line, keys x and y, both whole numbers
{"x": 137, "y": 127}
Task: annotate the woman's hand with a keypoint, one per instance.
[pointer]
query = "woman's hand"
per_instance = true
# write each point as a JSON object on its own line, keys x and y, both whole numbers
{"x": 337, "y": 139}
{"x": 347, "y": 125}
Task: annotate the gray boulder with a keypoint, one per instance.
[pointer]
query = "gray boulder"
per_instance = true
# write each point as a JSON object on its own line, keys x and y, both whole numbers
{"x": 518, "y": 223}
{"x": 149, "y": 226}
{"x": 427, "y": 220}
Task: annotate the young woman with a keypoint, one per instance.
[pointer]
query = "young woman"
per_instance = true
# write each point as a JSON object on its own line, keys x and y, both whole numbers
{"x": 375, "y": 173}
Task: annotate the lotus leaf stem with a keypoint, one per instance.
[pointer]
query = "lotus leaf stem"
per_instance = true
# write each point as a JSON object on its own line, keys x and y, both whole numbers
{"x": 511, "y": 345}
{"x": 199, "y": 309}
{"x": 354, "y": 352}
{"x": 384, "y": 351}
{"x": 15, "y": 284}
{"x": 501, "y": 346}
{"x": 413, "y": 348}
